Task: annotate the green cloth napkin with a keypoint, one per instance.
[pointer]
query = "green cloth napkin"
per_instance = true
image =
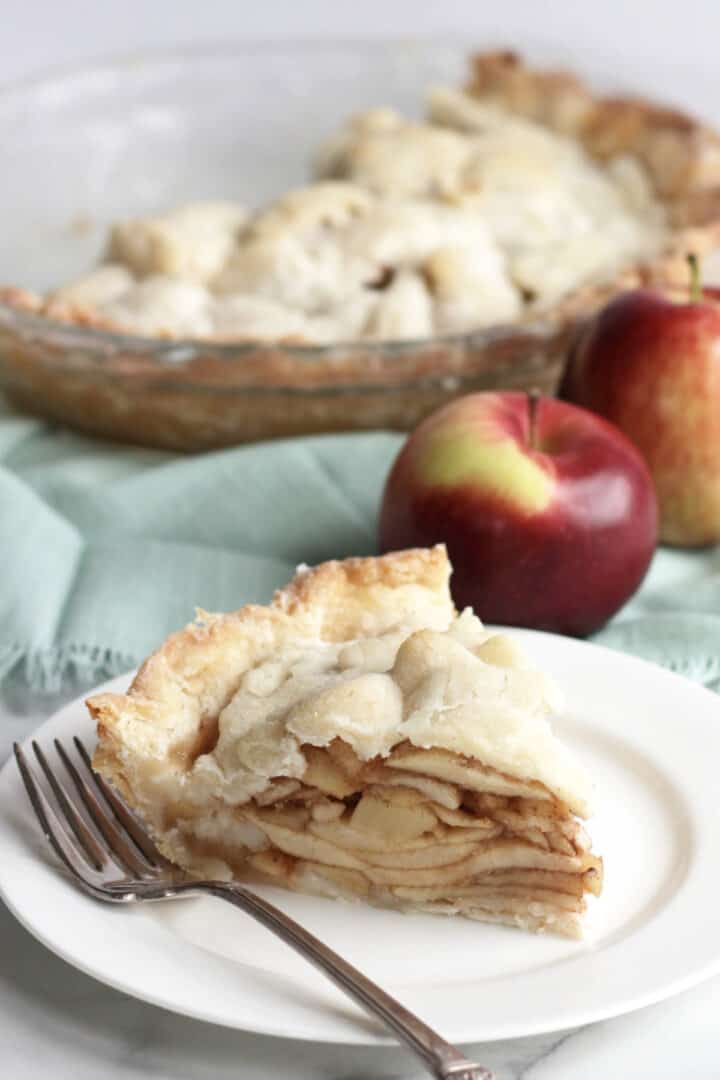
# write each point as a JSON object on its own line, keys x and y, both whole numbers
{"x": 106, "y": 549}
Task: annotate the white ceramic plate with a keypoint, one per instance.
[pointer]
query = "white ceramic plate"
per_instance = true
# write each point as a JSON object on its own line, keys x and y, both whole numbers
{"x": 652, "y": 742}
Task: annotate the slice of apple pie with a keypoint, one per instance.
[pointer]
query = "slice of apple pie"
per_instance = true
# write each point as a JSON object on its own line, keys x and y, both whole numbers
{"x": 358, "y": 738}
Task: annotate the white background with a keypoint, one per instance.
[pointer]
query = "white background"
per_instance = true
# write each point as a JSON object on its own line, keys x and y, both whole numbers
{"x": 667, "y": 47}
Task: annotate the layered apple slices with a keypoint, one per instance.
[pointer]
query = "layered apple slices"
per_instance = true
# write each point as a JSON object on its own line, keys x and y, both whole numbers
{"x": 359, "y": 739}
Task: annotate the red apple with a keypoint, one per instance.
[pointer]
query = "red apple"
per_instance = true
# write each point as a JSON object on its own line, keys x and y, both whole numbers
{"x": 651, "y": 365}
{"x": 548, "y": 512}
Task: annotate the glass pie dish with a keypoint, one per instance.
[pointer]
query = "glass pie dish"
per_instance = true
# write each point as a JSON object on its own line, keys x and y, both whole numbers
{"x": 137, "y": 135}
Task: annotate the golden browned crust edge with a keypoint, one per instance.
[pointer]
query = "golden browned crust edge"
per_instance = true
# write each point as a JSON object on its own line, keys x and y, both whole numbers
{"x": 681, "y": 154}
{"x": 331, "y": 586}
{"x": 80, "y": 315}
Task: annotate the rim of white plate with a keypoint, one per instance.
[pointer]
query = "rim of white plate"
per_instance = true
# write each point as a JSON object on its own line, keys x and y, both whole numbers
{"x": 669, "y": 943}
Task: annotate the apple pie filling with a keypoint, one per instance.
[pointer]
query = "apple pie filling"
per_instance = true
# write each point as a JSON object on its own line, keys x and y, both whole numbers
{"x": 379, "y": 832}
{"x": 359, "y": 740}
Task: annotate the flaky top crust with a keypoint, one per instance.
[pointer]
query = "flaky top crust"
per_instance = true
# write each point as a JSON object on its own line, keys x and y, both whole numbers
{"x": 193, "y": 674}
{"x": 215, "y": 696}
{"x": 680, "y": 154}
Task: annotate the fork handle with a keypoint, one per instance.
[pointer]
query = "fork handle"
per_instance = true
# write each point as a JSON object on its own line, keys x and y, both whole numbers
{"x": 443, "y": 1060}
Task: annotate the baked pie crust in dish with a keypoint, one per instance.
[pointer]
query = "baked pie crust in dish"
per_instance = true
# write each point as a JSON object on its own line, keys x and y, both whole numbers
{"x": 512, "y": 194}
{"x": 426, "y": 259}
{"x": 359, "y": 739}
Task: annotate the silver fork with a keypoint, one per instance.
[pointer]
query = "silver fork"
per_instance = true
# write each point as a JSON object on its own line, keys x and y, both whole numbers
{"x": 110, "y": 856}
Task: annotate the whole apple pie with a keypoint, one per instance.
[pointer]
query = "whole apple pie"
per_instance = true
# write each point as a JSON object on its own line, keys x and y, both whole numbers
{"x": 509, "y": 196}
{"x": 426, "y": 258}
{"x": 359, "y": 739}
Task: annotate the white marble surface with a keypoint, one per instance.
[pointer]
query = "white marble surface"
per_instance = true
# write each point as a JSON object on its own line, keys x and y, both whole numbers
{"x": 57, "y": 1023}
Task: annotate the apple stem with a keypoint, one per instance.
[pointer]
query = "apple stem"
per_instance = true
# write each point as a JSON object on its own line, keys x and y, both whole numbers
{"x": 696, "y": 293}
{"x": 533, "y": 400}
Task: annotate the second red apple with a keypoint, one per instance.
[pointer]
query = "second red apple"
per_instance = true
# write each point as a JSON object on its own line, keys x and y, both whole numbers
{"x": 650, "y": 363}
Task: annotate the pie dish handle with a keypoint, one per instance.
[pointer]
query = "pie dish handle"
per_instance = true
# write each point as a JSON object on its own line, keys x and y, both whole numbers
{"x": 443, "y": 1060}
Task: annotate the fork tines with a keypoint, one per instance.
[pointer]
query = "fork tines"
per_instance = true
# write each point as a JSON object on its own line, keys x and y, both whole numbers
{"x": 89, "y": 827}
